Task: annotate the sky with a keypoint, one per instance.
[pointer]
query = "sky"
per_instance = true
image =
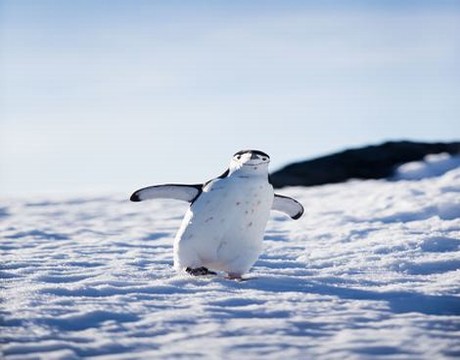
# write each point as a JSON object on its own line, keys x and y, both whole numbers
{"x": 103, "y": 96}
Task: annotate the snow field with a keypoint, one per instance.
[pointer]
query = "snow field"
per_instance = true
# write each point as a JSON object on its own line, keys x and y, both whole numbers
{"x": 370, "y": 271}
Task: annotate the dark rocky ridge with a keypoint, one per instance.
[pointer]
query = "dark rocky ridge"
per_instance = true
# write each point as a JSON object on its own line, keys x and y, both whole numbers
{"x": 370, "y": 162}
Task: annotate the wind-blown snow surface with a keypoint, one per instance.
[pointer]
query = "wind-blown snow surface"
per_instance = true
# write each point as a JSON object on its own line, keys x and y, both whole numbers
{"x": 370, "y": 271}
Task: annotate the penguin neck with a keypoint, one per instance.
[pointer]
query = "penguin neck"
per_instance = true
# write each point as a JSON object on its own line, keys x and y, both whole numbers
{"x": 250, "y": 172}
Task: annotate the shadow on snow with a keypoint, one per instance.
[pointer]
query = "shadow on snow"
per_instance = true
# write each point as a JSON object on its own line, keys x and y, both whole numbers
{"x": 398, "y": 301}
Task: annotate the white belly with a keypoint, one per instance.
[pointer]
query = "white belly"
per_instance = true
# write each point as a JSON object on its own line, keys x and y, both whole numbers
{"x": 224, "y": 228}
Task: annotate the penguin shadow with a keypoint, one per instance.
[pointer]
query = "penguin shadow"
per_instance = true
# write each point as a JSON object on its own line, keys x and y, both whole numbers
{"x": 398, "y": 302}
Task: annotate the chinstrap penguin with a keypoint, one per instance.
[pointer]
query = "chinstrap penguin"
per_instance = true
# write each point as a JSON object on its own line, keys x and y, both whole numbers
{"x": 224, "y": 226}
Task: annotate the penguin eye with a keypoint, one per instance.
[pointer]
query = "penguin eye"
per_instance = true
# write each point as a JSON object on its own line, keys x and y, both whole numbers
{"x": 238, "y": 157}
{"x": 264, "y": 159}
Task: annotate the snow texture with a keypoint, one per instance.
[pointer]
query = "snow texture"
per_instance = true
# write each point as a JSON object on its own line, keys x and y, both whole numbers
{"x": 370, "y": 271}
{"x": 433, "y": 165}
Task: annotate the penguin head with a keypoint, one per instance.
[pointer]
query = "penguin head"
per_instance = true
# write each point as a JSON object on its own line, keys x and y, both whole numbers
{"x": 250, "y": 162}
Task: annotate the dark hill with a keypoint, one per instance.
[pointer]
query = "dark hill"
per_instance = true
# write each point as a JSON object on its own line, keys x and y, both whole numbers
{"x": 371, "y": 162}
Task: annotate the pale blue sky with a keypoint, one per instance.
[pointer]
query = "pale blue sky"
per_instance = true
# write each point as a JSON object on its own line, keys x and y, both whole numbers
{"x": 113, "y": 95}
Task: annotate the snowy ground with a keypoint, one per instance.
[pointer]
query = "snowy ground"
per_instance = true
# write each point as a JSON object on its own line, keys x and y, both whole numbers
{"x": 371, "y": 271}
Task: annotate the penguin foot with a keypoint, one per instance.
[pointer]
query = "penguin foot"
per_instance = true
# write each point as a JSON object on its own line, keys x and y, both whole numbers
{"x": 235, "y": 277}
{"x": 200, "y": 271}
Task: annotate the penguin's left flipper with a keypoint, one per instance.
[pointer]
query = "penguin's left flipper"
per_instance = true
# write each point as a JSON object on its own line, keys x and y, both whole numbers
{"x": 168, "y": 191}
{"x": 288, "y": 205}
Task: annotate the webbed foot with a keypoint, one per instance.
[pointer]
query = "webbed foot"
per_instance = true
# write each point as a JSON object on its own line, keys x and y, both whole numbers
{"x": 235, "y": 277}
{"x": 201, "y": 271}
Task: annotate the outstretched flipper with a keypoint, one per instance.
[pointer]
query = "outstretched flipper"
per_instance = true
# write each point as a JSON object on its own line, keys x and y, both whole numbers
{"x": 288, "y": 205}
{"x": 168, "y": 191}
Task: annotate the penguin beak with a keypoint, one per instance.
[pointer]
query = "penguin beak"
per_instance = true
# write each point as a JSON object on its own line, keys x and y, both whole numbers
{"x": 254, "y": 156}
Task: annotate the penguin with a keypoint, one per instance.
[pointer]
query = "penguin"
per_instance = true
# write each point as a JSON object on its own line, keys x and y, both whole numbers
{"x": 224, "y": 226}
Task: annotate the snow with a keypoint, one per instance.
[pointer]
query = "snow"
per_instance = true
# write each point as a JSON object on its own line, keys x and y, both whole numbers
{"x": 370, "y": 271}
{"x": 432, "y": 165}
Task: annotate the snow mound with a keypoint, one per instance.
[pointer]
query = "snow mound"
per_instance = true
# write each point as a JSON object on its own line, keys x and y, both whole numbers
{"x": 371, "y": 270}
{"x": 431, "y": 166}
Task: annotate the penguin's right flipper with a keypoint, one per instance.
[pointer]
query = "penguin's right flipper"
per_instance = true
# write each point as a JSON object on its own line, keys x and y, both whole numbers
{"x": 168, "y": 191}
